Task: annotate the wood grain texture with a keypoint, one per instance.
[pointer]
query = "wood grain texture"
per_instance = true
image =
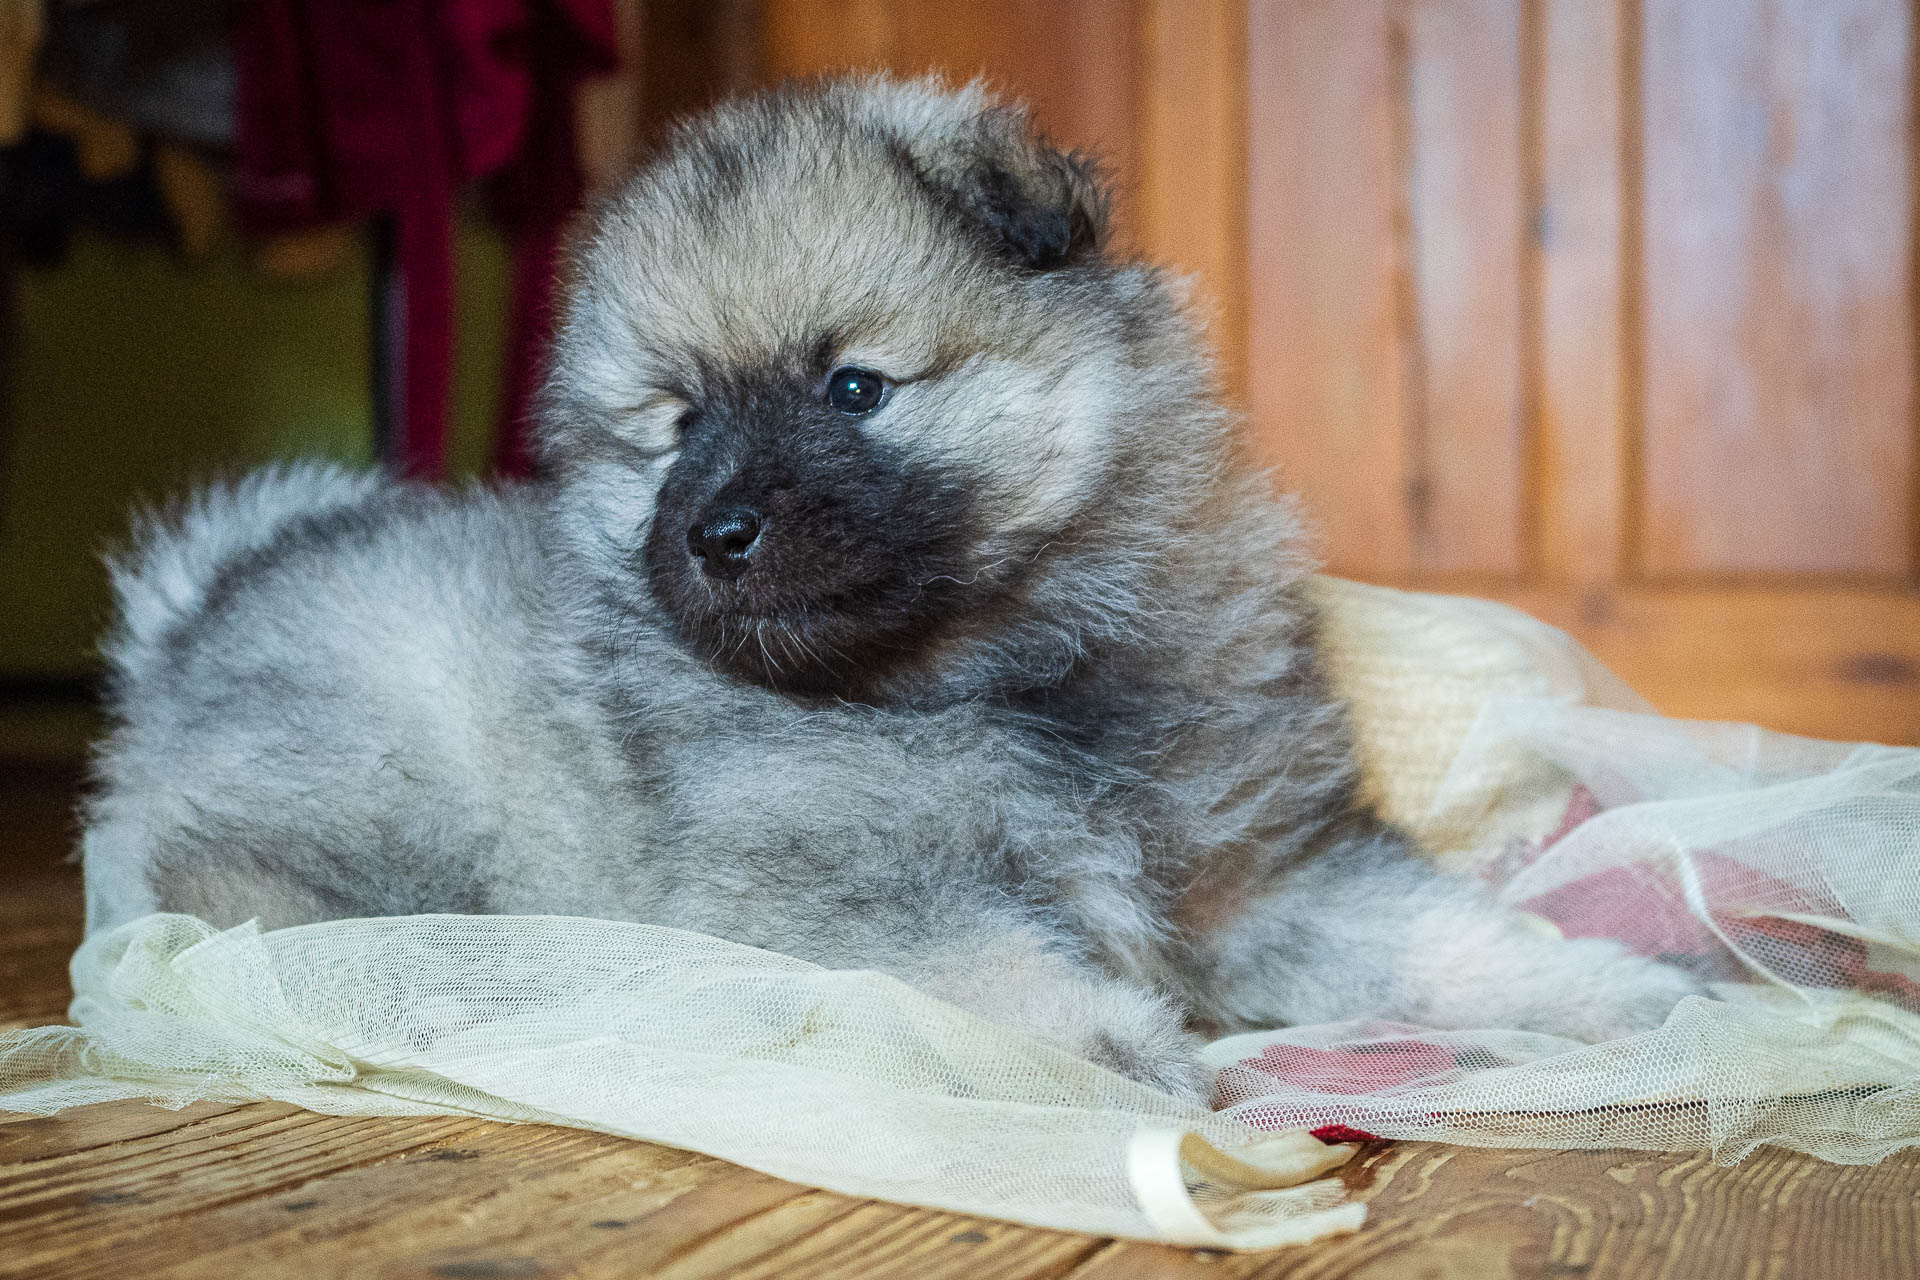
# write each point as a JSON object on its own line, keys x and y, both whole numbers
{"x": 1578, "y": 230}
{"x": 1464, "y": 198}
{"x": 1605, "y": 308}
{"x": 1327, "y": 385}
{"x": 263, "y": 1190}
{"x": 1778, "y": 286}
{"x": 1466, "y": 1213}
{"x": 1076, "y": 61}
{"x": 1190, "y": 193}
{"x": 1841, "y": 662}
{"x": 1386, "y": 207}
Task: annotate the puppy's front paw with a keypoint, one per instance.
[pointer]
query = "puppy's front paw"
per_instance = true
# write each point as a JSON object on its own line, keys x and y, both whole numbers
{"x": 1136, "y": 1034}
{"x": 1018, "y": 980}
{"x": 1612, "y": 993}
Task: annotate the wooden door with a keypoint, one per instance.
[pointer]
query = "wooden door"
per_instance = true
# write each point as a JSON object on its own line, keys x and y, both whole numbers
{"x": 1601, "y": 307}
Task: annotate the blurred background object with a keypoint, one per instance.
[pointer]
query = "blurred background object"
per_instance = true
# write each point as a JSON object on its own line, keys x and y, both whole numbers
{"x": 1602, "y": 307}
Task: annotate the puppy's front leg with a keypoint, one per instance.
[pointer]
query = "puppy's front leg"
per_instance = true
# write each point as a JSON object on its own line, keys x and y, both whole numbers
{"x": 969, "y": 944}
{"x": 1366, "y": 927}
{"x": 1019, "y": 977}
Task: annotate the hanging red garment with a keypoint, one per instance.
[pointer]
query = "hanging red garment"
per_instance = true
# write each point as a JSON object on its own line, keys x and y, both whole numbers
{"x": 349, "y": 109}
{"x": 536, "y": 194}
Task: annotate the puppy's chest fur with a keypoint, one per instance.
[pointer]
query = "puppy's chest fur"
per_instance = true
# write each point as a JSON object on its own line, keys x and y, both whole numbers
{"x": 1114, "y": 802}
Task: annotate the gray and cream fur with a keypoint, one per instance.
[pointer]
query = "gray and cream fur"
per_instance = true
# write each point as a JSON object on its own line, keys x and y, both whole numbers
{"x": 895, "y": 599}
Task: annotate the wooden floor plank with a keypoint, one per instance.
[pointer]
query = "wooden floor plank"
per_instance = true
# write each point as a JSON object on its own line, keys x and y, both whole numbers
{"x": 28, "y": 1138}
{"x": 876, "y": 1239}
{"x": 1130, "y": 1260}
{"x": 659, "y": 1229}
{"x": 730, "y": 1253}
{"x": 112, "y": 1202}
{"x": 551, "y": 1226}
{"x": 40, "y": 915}
{"x": 500, "y": 1207}
{"x": 1452, "y": 1211}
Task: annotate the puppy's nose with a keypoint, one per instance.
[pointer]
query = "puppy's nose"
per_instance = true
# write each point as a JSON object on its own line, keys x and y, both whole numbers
{"x": 721, "y": 538}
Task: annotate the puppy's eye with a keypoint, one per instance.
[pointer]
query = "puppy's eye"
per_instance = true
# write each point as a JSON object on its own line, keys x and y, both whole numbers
{"x": 685, "y": 422}
{"x": 856, "y": 391}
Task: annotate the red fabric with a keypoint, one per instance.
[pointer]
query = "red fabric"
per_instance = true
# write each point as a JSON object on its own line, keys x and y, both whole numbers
{"x": 536, "y": 259}
{"x": 1356, "y": 1069}
{"x": 349, "y": 108}
{"x": 535, "y": 195}
{"x": 1640, "y": 904}
{"x": 1645, "y": 906}
{"x": 1819, "y": 957}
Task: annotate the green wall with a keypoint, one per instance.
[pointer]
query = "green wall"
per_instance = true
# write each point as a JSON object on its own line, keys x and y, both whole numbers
{"x": 137, "y": 374}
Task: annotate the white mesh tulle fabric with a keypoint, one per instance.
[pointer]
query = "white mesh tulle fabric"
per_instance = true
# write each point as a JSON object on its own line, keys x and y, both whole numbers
{"x": 842, "y": 1079}
{"x": 1785, "y": 871}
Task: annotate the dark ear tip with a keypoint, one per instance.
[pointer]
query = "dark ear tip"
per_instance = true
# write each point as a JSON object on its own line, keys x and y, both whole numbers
{"x": 1045, "y": 241}
{"x": 1031, "y": 218}
{"x": 1050, "y": 215}
{"x": 1091, "y": 204}
{"x": 1042, "y": 207}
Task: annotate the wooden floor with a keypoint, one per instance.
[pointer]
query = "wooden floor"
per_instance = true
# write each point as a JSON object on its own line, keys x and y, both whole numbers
{"x": 129, "y": 1192}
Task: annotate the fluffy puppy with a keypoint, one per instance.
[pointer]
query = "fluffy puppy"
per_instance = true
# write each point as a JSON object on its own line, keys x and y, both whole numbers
{"x": 897, "y": 600}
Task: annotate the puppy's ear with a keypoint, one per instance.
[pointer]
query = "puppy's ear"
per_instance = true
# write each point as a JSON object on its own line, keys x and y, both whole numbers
{"x": 1044, "y": 208}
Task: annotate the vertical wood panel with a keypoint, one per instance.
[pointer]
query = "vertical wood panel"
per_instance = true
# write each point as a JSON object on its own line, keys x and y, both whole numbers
{"x": 1464, "y": 202}
{"x": 1385, "y": 237}
{"x": 1325, "y": 383}
{"x": 804, "y": 37}
{"x": 1190, "y": 200}
{"x": 1580, "y": 470}
{"x": 1779, "y": 328}
{"x": 1075, "y": 61}
{"x": 608, "y": 112}
{"x": 694, "y": 52}
{"x": 1706, "y": 313}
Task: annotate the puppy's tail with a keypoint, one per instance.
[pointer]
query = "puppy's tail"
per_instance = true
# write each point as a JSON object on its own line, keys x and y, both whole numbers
{"x": 177, "y": 555}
